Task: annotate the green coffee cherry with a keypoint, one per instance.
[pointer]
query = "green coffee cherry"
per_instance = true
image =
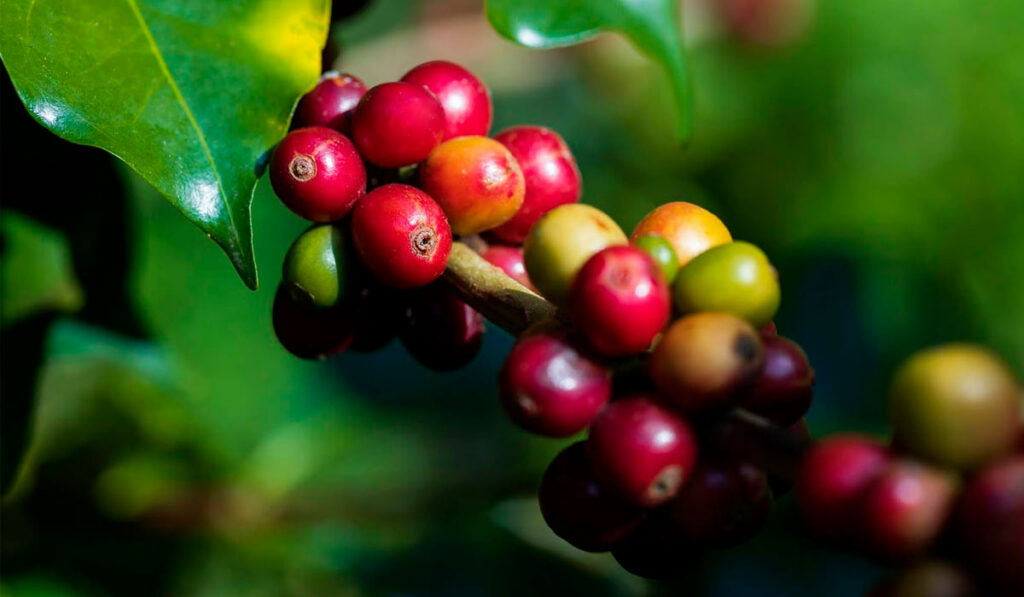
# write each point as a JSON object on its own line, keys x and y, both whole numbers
{"x": 735, "y": 278}
{"x": 957, "y": 405}
{"x": 314, "y": 266}
{"x": 562, "y": 241}
{"x": 661, "y": 251}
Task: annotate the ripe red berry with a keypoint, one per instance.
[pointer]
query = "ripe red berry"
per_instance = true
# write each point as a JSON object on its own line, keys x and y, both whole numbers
{"x": 552, "y": 177}
{"x": 577, "y": 509}
{"x": 724, "y": 503}
{"x": 510, "y": 260}
{"x": 991, "y": 525}
{"x": 831, "y": 480}
{"x": 308, "y": 332}
{"x": 783, "y": 389}
{"x": 904, "y": 509}
{"x": 441, "y": 332}
{"x": 656, "y": 549}
{"x": 547, "y": 387}
{"x": 641, "y": 451}
{"x": 465, "y": 99}
{"x": 397, "y": 124}
{"x": 401, "y": 236}
{"x": 317, "y": 173}
{"x": 330, "y": 103}
{"x": 620, "y": 301}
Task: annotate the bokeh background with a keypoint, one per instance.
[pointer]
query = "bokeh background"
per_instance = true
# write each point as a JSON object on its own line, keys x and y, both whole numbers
{"x": 875, "y": 150}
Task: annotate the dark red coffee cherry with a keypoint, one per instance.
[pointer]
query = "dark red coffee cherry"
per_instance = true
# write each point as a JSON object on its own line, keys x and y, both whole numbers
{"x": 784, "y": 387}
{"x": 547, "y": 387}
{"x": 401, "y": 236}
{"x": 577, "y": 509}
{"x": 552, "y": 177}
{"x": 317, "y": 173}
{"x": 641, "y": 451}
{"x": 724, "y": 503}
{"x": 308, "y": 332}
{"x": 620, "y": 301}
{"x": 832, "y": 479}
{"x": 330, "y": 103}
{"x": 904, "y": 509}
{"x": 510, "y": 259}
{"x": 990, "y": 525}
{"x": 397, "y": 124}
{"x": 441, "y": 332}
{"x": 657, "y": 550}
{"x": 465, "y": 99}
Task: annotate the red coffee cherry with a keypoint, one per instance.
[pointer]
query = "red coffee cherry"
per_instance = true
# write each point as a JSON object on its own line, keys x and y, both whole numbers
{"x": 330, "y": 103}
{"x": 397, "y": 124}
{"x": 441, "y": 332}
{"x": 552, "y": 177}
{"x": 723, "y": 503}
{"x": 547, "y": 387}
{"x": 401, "y": 236}
{"x": 620, "y": 301}
{"x": 904, "y": 509}
{"x": 784, "y": 387}
{"x": 832, "y": 479}
{"x": 510, "y": 260}
{"x": 577, "y": 509}
{"x": 465, "y": 99}
{"x": 990, "y": 525}
{"x": 308, "y": 332}
{"x": 641, "y": 451}
{"x": 656, "y": 549}
{"x": 475, "y": 180}
{"x": 317, "y": 173}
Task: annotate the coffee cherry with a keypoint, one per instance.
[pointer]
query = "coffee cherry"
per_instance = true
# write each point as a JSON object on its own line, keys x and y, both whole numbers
{"x": 957, "y": 405}
{"x": 315, "y": 266}
{"x": 990, "y": 525}
{"x": 735, "y": 278}
{"x": 317, "y": 173}
{"x": 401, "y": 236}
{"x": 552, "y": 177}
{"x": 661, "y": 251}
{"x": 330, "y": 103}
{"x": 561, "y": 243}
{"x": 475, "y": 180}
{"x": 780, "y": 486}
{"x": 377, "y": 311}
{"x": 619, "y": 301}
{"x": 547, "y": 387}
{"x": 440, "y": 331}
{"x": 657, "y": 550}
{"x": 927, "y": 579}
{"x": 465, "y": 99}
{"x": 904, "y": 509}
{"x": 769, "y": 329}
{"x": 397, "y": 124}
{"x": 702, "y": 360}
{"x": 311, "y": 333}
{"x": 783, "y": 389}
{"x": 690, "y": 229}
{"x": 641, "y": 451}
{"x": 831, "y": 481}
{"x": 724, "y": 503}
{"x": 510, "y": 260}
{"x": 578, "y": 509}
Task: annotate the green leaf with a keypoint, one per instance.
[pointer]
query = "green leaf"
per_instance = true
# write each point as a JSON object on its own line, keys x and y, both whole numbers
{"x": 654, "y": 26}
{"x": 189, "y": 93}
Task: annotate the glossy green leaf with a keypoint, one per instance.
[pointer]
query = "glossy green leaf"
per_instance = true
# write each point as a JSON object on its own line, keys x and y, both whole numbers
{"x": 654, "y": 26}
{"x": 190, "y": 93}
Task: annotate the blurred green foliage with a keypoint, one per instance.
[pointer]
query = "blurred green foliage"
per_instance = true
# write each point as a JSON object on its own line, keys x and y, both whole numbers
{"x": 877, "y": 160}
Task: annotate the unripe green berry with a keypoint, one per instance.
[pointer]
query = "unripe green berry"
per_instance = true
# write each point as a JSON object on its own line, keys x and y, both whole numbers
{"x": 314, "y": 267}
{"x": 562, "y": 241}
{"x": 661, "y": 251}
{"x": 735, "y": 278}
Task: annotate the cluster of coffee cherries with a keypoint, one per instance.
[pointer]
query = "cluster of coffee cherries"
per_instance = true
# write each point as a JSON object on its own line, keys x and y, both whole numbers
{"x": 948, "y": 488}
